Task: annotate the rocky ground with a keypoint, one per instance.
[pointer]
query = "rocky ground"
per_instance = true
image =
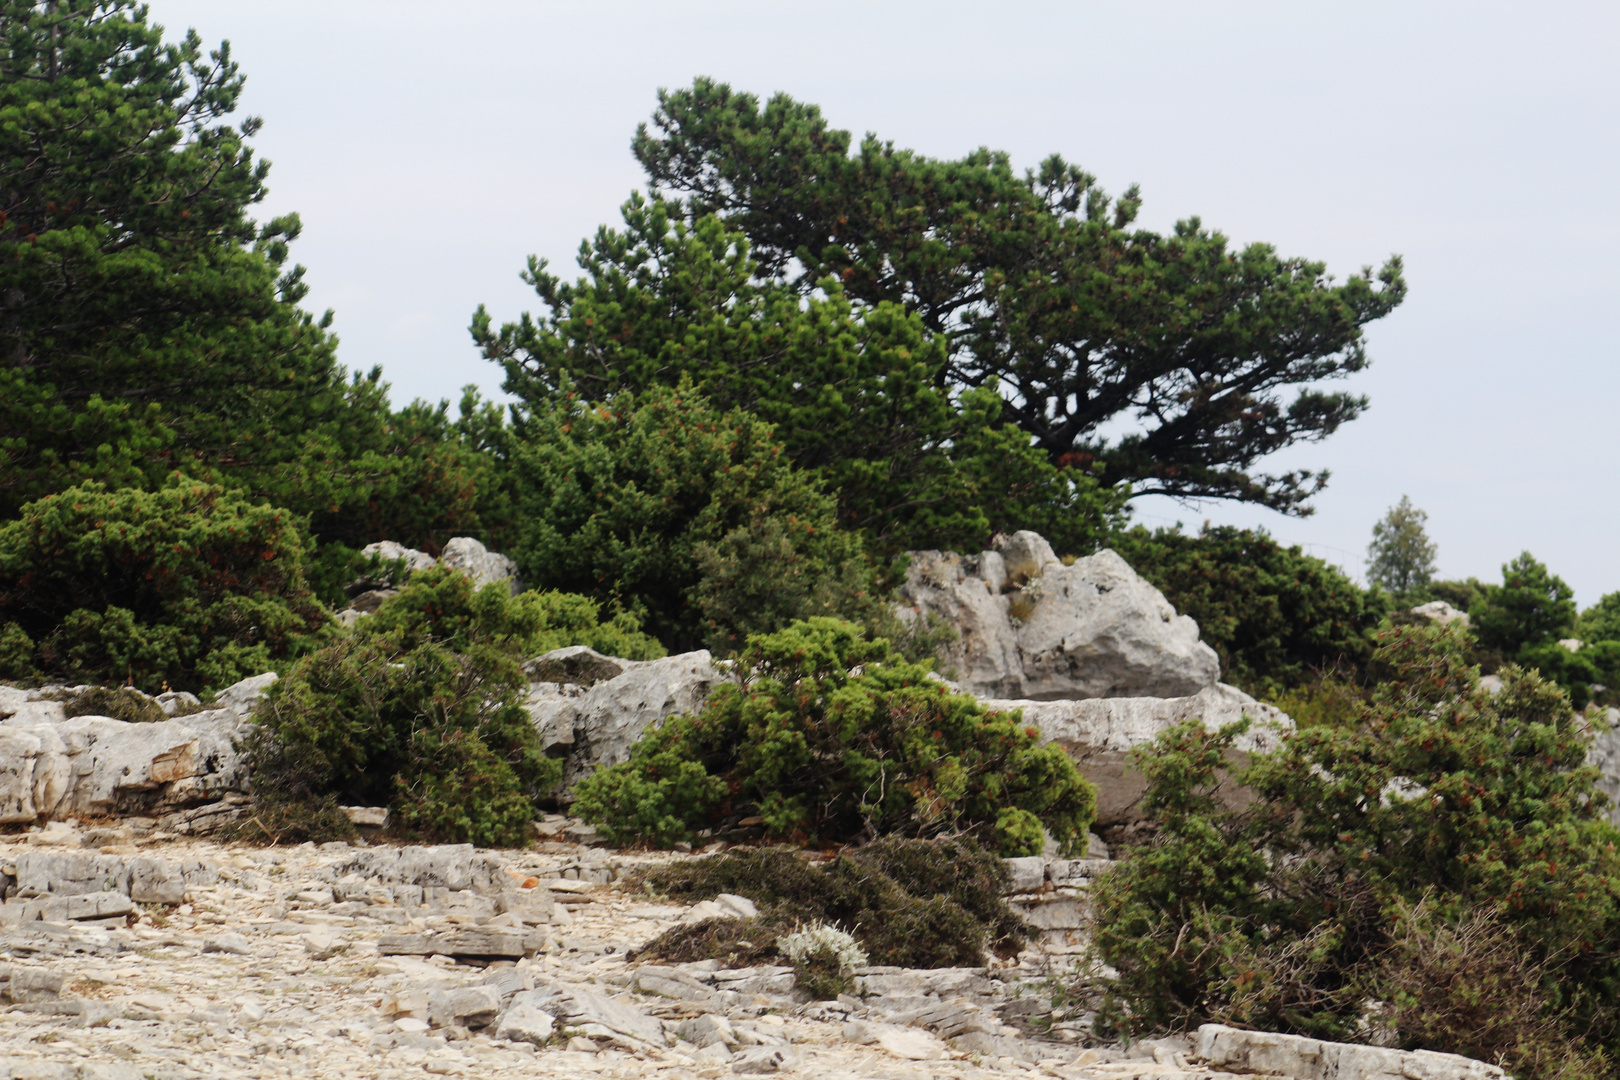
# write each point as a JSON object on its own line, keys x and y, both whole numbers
{"x": 125, "y": 953}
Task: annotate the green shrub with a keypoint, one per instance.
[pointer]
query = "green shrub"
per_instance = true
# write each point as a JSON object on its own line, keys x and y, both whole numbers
{"x": 912, "y": 903}
{"x": 443, "y": 606}
{"x": 16, "y": 654}
{"x": 438, "y": 736}
{"x": 420, "y": 708}
{"x": 692, "y": 517}
{"x": 1286, "y": 914}
{"x": 188, "y": 587}
{"x": 1276, "y": 616}
{"x": 830, "y": 736}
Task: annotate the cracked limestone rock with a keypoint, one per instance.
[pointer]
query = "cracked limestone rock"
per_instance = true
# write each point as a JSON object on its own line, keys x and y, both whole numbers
{"x": 1100, "y": 733}
{"x": 596, "y": 725}
{"x": 88, "y": 766}
{"x": 1030, "y": 626}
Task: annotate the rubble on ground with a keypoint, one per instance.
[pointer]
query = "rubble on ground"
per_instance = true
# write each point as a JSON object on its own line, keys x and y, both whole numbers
{"x": 126, "y": 952}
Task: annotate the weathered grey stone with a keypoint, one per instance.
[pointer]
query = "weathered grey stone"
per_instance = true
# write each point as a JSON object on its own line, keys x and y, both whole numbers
{"x": 155, "y": 881}
{"x": 18, "y": 706}
{"x": 1028, "y": 874}
{"x": 533, "y": 906}
{"x": 1056, "y": 912}
{"x": 445, "y": 866}
{"x": 1099, "y": 734}
{"x": 898, "y": 1039}
{"x": 484, "y": 566}
{"x": 367, "y": 817}
{"x": 904, "y": 982}
{"x": 472, "y": 1007}
{"x": 554, "y": 711}
{"x": 241, "y": 697}
{"x": 32, "y": 984}
{"x": 96, "y": 905}
{"x": 1302, "y": 1058}
{"x": 766, "y": 1059}
{"x": 525, "y": 1021}
{"x": 612, "y": 715}
{"x": 1604, "y": 755}
{"x": 763, "y": 979}
{"x": 229, "y": 943}
{"x": 709, "y": 1029}
{"x": 1030, "y": 627}
{"x": 724, "y": 906}
{"x": 172, "y": 701}
{"x": 323, "y": 944}
{"x": 964, "y": 591}
{"x": 93, "y": 765}
{"x": 484, "y": 942}
{"x": 70, "y": 873}
{"x": 389, "y": 551}
{"x": 599, "y": 1017}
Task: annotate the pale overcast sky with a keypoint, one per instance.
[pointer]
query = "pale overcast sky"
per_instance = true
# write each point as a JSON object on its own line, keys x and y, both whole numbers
{"x": 430, "y": 147}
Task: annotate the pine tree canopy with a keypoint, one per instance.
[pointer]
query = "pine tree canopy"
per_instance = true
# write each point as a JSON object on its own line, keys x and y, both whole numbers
{"x": 1043, "y": 291}
{"x": 147, "y": 323}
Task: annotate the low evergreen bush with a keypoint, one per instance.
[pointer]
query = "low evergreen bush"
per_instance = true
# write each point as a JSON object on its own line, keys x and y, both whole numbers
{"x": 693, "y": 515}
{"x": 190, "y": 587}
{"x": 832, "y": 736}
{"x": 420, "y": 708}
{"x": 1477, "y": 811}
{"x": 1277, "y": 617}
{"x": 911, "y": 903}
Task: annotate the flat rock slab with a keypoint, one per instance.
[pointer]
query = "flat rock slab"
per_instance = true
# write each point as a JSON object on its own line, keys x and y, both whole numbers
{"x": 484, "y": 943}
{"x": 1312, "y": 1059}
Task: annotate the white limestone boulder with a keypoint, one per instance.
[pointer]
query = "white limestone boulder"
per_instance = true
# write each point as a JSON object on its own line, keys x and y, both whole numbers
{"x": 389, "y": 551}
{"x": 1031, "y": 627}
{"x": 596, "y": 725}
{"x": 85, "y": 766}
{"x": 1099, "y": 733}
{"x": 1270, "y": 1054}
{"x": 484, "y": 566}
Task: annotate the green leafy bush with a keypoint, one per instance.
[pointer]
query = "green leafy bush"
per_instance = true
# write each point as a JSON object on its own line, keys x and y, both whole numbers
{"x": 1276, "y": 616}
{"x": 438, "y": 736}
{"x": 635, "y": 500}
{"x": 187, "y": 587}
{"x": 420, "y": 708}
{"x": 831, "y": 736}
{"x": 443, "y": 606}
{"x": 912, "y": 903}
{"x": 1287, "y": 914}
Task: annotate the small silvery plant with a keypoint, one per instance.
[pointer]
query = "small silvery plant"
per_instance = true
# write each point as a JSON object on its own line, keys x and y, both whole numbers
{"x": 824, "y": 959}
